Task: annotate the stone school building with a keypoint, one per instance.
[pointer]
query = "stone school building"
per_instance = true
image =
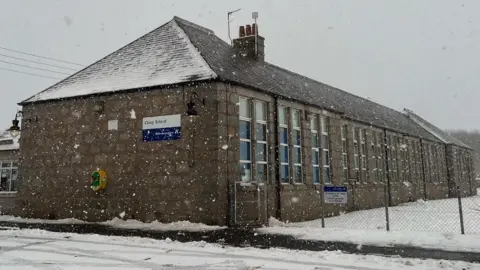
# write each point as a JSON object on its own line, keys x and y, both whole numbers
{"x": 181, "y": 125}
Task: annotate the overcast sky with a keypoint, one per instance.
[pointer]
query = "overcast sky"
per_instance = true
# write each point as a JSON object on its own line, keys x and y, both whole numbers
{"x": 416, "y": 54}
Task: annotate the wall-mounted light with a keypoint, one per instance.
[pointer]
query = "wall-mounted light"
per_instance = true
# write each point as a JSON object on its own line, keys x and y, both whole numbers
{"x": 191, "y": 111}
{"x": 15, "y": 128}
{"x": 99, "y": 107}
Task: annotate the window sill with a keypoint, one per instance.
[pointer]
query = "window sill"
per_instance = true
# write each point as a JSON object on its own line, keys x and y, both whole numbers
{"x": 8, "y": 193}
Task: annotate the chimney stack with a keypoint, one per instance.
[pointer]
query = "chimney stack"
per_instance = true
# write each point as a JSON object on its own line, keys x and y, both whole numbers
{"x": 241, "y": 31}
{"x": 249, "y": 44}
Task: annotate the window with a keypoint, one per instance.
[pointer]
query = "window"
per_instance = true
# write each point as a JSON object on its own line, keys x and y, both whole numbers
{"x": 434, "y": 164}
{"x": 401, "y": 152}
{"x": 8, "y": 176}
{"x": 408, "y": 161}
{"x": 414, "y": 169}
{"x": 261, "y": 152}
{"x": 245, "y": 140}
{"x": 315, "y": 149}
{"x": 344, "y": 152}
{"x": 325, "y": 144}
{"x": 363, "y": 155}
{"x": 356, "y": 147}
{"x": 393, "y": 152}
{"x": 297, "y": 147}
{"x": 283, "y": 144}
{"x": 373, "y": 157}
{"x": 380, "y": 152}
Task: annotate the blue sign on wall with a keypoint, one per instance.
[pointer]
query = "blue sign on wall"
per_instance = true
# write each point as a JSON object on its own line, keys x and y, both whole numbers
{"x": 162, "y": 128}
{"x": 335, "y": 189}
{"x": 335, "y": 195}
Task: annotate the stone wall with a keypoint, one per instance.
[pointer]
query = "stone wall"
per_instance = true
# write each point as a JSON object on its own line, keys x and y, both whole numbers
{"x": 167, "y": 180}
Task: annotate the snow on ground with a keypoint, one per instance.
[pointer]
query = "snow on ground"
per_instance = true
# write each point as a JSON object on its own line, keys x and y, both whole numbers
{"x": 158, "y": 226}
{"x": 429, "y": 224}
{"x": 428, "y": 216}
{"x": 121, "y": 224}
{"x": 37, "y": 249}
{"x": 430, "y": 240}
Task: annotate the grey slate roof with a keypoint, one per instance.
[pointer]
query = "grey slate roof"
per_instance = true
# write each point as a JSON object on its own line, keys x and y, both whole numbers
{"x": 272, "y": 79}
{"x": 163, "y": 56}
{"x": 435, "y": 131}
{"x": 181, "y": 51}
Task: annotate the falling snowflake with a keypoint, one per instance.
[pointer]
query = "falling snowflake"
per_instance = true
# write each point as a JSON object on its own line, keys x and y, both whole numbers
{"x": 133, "y": 114}
{"x": 224, "y": 147}
{"x": 122, "y": 215}
{"x": 76, "y": 146}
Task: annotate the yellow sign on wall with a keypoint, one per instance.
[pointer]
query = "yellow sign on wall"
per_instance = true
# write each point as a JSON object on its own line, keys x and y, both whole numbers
{"x": 99, "y": 180}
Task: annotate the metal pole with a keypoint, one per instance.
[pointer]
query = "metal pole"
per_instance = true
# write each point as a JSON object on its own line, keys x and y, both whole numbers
{"x": 460, "y": 210}
{"x": 256, "y": 36}
{"x": 386, "y": 184}
{"x": 322, "y": 197}
{"x": 387, "y": 217}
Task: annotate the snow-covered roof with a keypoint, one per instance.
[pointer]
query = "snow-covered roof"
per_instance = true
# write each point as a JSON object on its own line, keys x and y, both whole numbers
{"x": 7, "y": 142}
{"x": 181, "y": 51}
{"x": 163, "y": 56}
{"x": 435, "y": 131}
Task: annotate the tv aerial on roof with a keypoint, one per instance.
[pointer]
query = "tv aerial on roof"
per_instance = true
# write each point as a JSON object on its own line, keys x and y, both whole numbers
{"x": 228, "y": 21}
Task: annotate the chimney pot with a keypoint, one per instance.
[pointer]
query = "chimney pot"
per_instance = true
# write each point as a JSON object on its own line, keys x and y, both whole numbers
{"x": 249, "y": 30}
{"x": 241, "y": 32}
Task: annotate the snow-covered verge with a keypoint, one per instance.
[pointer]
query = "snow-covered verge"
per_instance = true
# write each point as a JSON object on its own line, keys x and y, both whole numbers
{"x": 429, "y": 240}
{"x": 428, "y": 216}
{"x": 121, "y": 224}
{"x": 9, "y": 218}
{"x": 428, "y": 224}
{"x": 158, "y": 226}
{"x": 35, "y": 249}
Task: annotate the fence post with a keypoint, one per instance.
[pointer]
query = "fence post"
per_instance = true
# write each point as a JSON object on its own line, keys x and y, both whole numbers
{"x": 322, "y": 196}
{"x": 387, "y": 217}
{"x": 460, "y": 209}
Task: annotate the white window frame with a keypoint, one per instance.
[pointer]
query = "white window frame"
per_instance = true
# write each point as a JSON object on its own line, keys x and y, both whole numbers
{"x": 373, "y": 156}
{"x": 363, "y": 155}
{"x": 10, "y": 179}
{"x": 344, "y": 135}
{"x": 379, "y": 142}
{"x": 315, "y": 149}
{"x": 356, "y": 151}
{"x": 393, "y": 154}
{"x": 262, "y": 122}
{"x": 249, "y": 120}
{"x": 401, "y": 160}
{"x": 324, "y": 126}
{"x": 408, "y": 160}
{"x": 281, "y": 145}
{"x": 297, "y": 146}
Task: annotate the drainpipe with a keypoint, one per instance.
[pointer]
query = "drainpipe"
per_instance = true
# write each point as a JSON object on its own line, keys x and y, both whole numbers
{"x": 387, "y": 168}
{"x": 230, "y": 188}
{"x": 423, "y": 170}
{"x": 278, "y": 212}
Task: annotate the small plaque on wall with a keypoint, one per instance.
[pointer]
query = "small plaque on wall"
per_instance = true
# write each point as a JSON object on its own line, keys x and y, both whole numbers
{"x": 113, "y": 125}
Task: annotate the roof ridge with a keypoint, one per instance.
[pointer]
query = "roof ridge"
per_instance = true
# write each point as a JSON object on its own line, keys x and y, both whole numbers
{"x": 68, "y": 77}
{"x": 194, "y": 25}
{"x": 196, "y": 50}
{"x": 423, "y": 123}
{"x": 332, "y": 87}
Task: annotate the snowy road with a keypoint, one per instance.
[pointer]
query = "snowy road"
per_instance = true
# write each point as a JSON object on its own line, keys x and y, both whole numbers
{"x": 37, "y": 249}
